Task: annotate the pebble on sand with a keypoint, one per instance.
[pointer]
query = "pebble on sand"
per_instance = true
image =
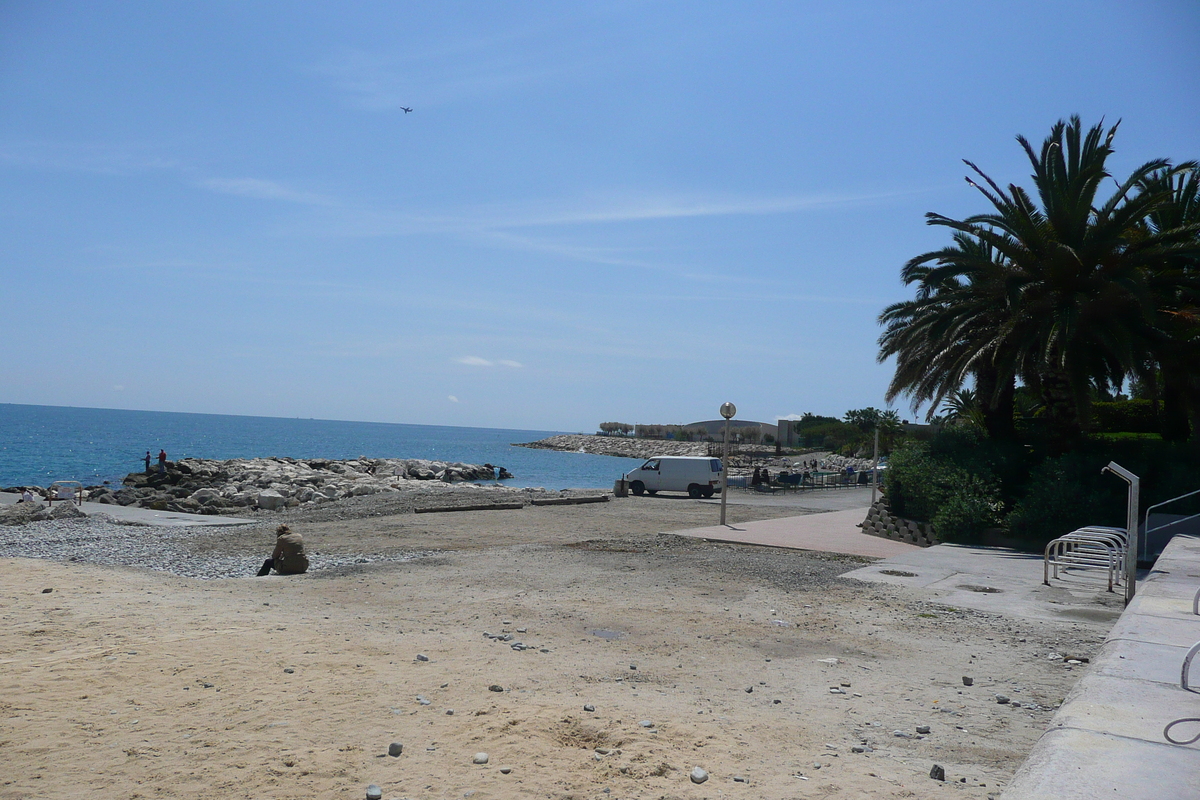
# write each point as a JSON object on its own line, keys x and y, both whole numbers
{"x": 374, "y": 792}
{"x": 395, "y": 749}
{"x": 480, "y": 758}
{"x": 698, "y": 775}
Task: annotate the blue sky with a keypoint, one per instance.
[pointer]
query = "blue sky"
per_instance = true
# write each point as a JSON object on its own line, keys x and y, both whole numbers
{"x": 616, "y": 211}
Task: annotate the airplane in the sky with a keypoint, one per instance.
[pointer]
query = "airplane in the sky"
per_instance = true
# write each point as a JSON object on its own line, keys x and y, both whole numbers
{"x": 406, "y": 109}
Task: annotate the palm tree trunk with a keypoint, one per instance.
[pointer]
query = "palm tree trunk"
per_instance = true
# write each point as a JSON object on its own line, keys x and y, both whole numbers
{"x": 1173, "y": 424}
{"x": 1062, "y": 411}
{"x": 996, "y": 401}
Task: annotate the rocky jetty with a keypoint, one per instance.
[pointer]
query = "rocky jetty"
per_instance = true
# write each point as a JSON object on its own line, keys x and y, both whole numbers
{"x": 628, "y": 447}
{"x": 618, "y": 446}
{"x": 203, "y": 486}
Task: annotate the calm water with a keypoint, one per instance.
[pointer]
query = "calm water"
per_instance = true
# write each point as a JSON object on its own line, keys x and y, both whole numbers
{"x": 42, "y": 444}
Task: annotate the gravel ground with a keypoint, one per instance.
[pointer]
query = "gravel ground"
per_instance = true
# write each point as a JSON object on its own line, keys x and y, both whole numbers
{"x": 168, "y": 549}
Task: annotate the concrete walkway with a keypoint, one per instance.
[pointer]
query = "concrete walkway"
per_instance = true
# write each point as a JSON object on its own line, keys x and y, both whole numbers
{"x": 998, "y": 580}
{"x": 146, "y": 516}
{"x": 831, "y": 532}
{"x": 1107, "y": 740}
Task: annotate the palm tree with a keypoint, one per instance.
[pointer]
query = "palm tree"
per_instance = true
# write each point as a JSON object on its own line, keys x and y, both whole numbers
{"x": 1174, "y": 334}
{"x": 1052, "y": 293}
{"x": 943, "y": 337}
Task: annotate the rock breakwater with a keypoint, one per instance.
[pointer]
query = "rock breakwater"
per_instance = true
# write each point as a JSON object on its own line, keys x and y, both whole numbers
{"x": 618, "y": 446}
{"x": 203, "y": 486}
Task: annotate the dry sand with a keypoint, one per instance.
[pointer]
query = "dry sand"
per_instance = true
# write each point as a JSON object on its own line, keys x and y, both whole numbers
{"x": 124, "y": 683}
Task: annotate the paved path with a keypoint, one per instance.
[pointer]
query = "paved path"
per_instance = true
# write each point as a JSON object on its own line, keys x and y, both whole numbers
{"x": 831, "y": 532}
{"x": 146, "y": 516}
{"x": 1107, "y": 740}
{"x": 999, "y": 580}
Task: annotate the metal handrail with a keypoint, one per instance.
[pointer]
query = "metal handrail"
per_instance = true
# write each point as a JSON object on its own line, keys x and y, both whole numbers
{"x": 1146, "y": 524}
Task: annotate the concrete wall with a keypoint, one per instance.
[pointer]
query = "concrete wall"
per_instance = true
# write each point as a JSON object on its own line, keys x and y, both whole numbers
{"x": 1107, "y": 738}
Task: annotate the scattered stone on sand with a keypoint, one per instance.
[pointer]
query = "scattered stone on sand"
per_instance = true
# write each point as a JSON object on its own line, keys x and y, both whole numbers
{"x": 505, "y": 770}
{"x": 395, "y": 749}
{"x": 480, "y": 758}
{"x": 495, "y": 687}
{"x": 422, "y": 657}
{"x": 698, "y": 775}
{"x": 938, "y": 773}
{"x": 47, "y": 591}
{"x": 968, "y": 681}
{"x": 374, "y": 792}
{"x": 423, "y": 700}
{"x": 1002, "y": 699}
{"x": 646, "y": 723}
{"x": 589, "y": 708}
{"x": 923, "y": 729}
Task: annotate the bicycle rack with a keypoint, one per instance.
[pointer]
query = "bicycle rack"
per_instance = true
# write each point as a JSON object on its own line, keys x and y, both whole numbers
{"x": 1093, "y": 546}
{"x": 1187, "y": 662}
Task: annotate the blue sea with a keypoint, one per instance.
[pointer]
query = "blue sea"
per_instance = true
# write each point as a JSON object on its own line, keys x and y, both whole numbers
{"x": 43, "y": 444}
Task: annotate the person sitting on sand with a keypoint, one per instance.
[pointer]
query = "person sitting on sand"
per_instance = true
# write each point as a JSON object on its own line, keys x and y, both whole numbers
{"x": 288, "y": 557}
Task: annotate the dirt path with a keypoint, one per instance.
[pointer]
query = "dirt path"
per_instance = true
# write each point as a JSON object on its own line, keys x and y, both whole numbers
{"x": 133, "y": 684}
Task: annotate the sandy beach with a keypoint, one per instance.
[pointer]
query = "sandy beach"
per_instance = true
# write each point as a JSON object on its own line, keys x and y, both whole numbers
{"x": 642, "y": 656}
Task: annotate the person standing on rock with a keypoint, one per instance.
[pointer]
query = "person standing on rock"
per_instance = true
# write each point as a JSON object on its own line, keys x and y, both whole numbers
{"x": 288, "y": 557}
{"x": 147, "y": 460}
{"x": 162, "y": 462}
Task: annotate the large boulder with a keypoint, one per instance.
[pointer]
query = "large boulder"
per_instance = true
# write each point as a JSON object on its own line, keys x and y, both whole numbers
{"x": 271, "y": 500}
{"x": 66, "y": 511}
{"x": 18, "y": 513}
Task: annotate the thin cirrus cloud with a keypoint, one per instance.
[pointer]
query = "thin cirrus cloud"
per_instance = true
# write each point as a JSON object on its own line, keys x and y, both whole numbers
{"x": 259, "y": 189}
{"x": 492, "y": 220}
{"x": 476, "y": 361}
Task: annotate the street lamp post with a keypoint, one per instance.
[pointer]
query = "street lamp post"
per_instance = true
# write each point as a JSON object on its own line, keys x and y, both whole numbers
{"x": 875, "y": 467}
{"x": 727, "y": 411}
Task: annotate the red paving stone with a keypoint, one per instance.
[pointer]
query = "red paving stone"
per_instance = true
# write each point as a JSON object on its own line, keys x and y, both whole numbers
{"x": 831, "y": 532}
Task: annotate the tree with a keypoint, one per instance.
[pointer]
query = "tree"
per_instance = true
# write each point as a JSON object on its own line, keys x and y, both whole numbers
{"x": 943, "y": 337}
{"x": 1174, "y": 334}
{"x": 1053, "y": 293}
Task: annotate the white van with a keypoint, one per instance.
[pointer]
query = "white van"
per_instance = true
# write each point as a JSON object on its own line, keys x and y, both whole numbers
{"x": 699, "y": 477}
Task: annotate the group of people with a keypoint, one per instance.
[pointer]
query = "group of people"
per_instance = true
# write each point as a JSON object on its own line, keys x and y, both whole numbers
{"x": 162, "y": 462}
{"x": 761, "y": 477}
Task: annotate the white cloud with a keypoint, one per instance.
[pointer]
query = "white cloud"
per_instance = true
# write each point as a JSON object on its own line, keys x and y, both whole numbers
{"x": 476, "y": 361}
{"x": 452, "y": 398}
{"x": 263, "y": 190}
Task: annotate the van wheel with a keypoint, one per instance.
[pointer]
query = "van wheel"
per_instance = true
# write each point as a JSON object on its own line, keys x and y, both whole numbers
{"x": 709, "y": 491}
{"x": 637, "y": 487}
{"x": 694, "y": 491}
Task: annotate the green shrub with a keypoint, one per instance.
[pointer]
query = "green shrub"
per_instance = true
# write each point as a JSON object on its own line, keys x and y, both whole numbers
{"x": 1125, "y": 416}
{"x": 924, "y": 483}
